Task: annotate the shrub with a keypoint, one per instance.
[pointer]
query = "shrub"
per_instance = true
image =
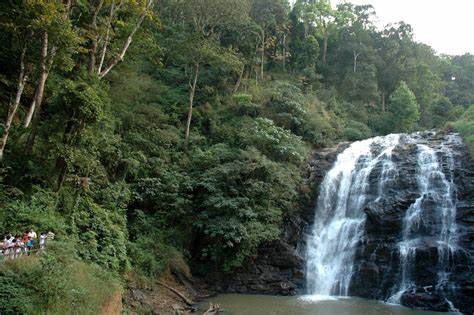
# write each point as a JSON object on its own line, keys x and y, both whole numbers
{"x": 465, "y": 126}
{"x": 153, "y": 256}
{"x": 240, "y": 198}
{"x": 356, "y": 131}
{"x": 37, "y": 212}
{"x": 276, "y": 142}
{"x": 101, "y": 235}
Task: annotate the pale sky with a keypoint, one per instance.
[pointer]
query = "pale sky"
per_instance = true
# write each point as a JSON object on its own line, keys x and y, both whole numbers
{"x": 445, "y": 25}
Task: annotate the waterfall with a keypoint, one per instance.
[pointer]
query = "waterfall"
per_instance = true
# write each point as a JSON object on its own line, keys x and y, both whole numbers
{"x": 432, "y": 215}
{"x": 365, "y": 173}
{"x": 339, "y": 218}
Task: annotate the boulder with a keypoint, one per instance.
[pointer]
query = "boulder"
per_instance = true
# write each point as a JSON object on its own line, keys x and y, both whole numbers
{"x": 425, "y": 300}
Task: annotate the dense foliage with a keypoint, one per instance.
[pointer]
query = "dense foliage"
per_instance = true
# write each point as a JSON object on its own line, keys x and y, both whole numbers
{"x": 149, "y": 136}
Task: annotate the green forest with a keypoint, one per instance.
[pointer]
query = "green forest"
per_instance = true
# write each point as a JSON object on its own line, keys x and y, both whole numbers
{"x": 154, "y": 135}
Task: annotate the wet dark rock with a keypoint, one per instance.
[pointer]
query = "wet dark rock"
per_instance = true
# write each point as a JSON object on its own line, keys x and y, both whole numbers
{"x": 138, "y": 295}
{"x": 277, "y": 269}
{"x": 384, "y": 229}
{"x": 425, "y": 300}
{"x": 385, "y": 216}
{"x": 366, "y": 275}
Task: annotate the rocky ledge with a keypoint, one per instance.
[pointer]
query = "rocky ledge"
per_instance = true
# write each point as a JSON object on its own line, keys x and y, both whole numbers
{"x": 377, "y": 266}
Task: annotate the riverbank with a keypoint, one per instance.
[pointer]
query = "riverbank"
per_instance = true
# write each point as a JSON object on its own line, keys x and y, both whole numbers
{"x": 167, "y": 295}
{"x": 235, "y": 304}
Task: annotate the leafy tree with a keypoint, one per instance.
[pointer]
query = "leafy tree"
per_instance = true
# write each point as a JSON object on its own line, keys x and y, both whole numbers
{"x": 201, "y": 47}
{"x": 355, "y": 130}
{"x": 459, "y": 79}
{"x": 404, "y": 108}
{"x": 270, "y": 16}
{"x": 395, "y": 44}
{"x": 236, "y": 203}
{"x": 40, "y": 34}
{"x": 304, "y": 46}
{"x": 276, "y": 141}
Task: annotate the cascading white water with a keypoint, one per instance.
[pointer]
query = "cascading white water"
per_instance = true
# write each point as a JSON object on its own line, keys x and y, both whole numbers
{"x": 339, "y": 218}
{"x": 350, "y": 186}
{"x": 437, "y": 201}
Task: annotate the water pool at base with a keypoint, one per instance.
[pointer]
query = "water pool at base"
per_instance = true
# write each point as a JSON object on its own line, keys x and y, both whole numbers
{"x": 241, "y": 304}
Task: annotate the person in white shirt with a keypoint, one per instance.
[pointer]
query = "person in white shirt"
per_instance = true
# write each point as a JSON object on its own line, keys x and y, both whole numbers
{"x": 42, "y": 241}
{"x": 10, "y": 251}
{"x": 18, "y": 246}
{"x": 5, "y": 247}
{"x": 32, "y": 234}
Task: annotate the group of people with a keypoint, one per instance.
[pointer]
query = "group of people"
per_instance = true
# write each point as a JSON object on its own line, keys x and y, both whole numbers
{"x": 18, "y": 245}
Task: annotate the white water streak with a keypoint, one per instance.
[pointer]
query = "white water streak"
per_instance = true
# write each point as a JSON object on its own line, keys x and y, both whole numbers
{"x": 339, "y": 217}
{"x": 436, "y": 200}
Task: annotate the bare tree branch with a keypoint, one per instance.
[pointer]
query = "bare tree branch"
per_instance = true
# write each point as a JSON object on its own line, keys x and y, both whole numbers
{"x": 121, "y": 55}
{"x": 107, "y": 35}
{"x": 94, "y": 37}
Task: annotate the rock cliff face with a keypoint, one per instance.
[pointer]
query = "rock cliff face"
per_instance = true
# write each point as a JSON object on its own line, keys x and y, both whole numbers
{"x": 438, "y": 280}
{"x": 394, "y": 259}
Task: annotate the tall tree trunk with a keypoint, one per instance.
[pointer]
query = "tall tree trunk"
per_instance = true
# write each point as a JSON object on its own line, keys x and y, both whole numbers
{"x": 125, "y": 47}
{"x": 262, "y": 60}
{"x": 94, "y": 37}
{"x": 256, "y": 76}
{"x": 39, "y": 88}
{"x": 256, "y": 65}
{"x": 192, "y": 91}
{"x": 39, "y": 92}
{"x": 92, "y": 54}
{"x": 383, "y": 101}
{"x": 325, "y": 45}
{"x": 45, "y": 67}
{"x": 22, "y": 78}
{"x": 30, "y": 112}
{"x": 107, "y": 36}
{"x": 71, "y": 137}
{"x": 284, "y": 52}
{"x": 239, "y": 80}
{"x": 356, "y": 55}
{"x": 61, "y": 167}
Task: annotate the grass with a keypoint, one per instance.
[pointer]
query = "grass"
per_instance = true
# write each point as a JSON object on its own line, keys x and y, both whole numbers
{"x": 54, "y": 282}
